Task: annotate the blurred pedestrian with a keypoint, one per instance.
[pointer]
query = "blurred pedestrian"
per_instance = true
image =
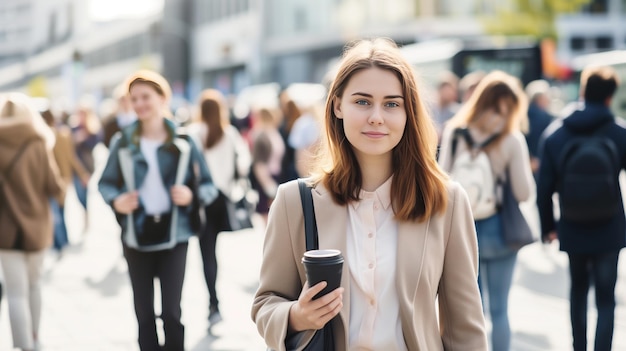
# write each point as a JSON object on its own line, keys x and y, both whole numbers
{"x": 268, "y": 150}
{"x": 86, "y": 132}
{"x": 69, "y": 165}
{"x": 581, "y": 161}
{"x": 121, "y": 117}
{"x": 468, "y": 84}
{"x": 381, "y": 178}
{"x": 447, "y": 99}
{"x": 492, "y": 118}
{"x": 289, "y": 114}
{"x": 305, "y": 137}
{"x": 155, "y": 215}
{"x": 538, "y": 92}
{"x": 29, "y": 176}
{"x": 228, "y": 156}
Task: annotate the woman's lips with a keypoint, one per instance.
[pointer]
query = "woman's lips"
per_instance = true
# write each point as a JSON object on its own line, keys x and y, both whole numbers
{"x": 374, "y": 135}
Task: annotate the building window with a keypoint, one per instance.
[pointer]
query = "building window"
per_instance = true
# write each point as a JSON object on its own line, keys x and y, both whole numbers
{"x": 300, "y": 19}
{"x": 52, "y": 29}
{"x": 604, "y": 43}
{"x": 597, "y": 6}
{"x": 577, "y": 43}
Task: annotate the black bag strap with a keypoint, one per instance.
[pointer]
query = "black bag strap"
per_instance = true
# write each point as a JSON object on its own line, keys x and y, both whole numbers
{"x": 465, "y": 134}
{"x": 310, "y": 225}
{"x": 7, "y": 171}
{"x": 236, "y": 174}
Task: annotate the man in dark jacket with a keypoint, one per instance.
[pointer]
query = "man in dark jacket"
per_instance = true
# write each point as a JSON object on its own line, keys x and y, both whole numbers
{"x": 593, "y": 246}
{"x": 538, "y": 119}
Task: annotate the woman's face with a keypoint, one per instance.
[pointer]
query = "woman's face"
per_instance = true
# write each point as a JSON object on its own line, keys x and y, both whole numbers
{"x": 373, "y": 112}
{"x": 146, "y": 102}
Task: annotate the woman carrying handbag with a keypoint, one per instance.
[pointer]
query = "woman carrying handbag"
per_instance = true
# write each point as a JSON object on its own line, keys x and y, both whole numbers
{"x": 492, "y": 118}
{"x": 406, "y": 232}
{"x": 227, "y": 155}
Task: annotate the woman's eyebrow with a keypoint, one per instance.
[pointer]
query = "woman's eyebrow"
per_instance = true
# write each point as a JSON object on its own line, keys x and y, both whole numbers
{"x": 386, "y": 97}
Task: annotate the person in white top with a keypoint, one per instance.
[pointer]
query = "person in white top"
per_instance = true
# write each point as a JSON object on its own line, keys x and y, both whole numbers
{"x": 148, "y": 179}
{"x": 224, "y": 151}
{"x": 409, "y": 281}
{"x": 497, "y": 109}
{"x": 304, "y": 138}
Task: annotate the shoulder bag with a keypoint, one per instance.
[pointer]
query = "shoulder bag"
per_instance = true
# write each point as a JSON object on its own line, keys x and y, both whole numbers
{"x": 240, "y": 201}
{"x": 515, "y": 229}
{"x": 323, "y": 340}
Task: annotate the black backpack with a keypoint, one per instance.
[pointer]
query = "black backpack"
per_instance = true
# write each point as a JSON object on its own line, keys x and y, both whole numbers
{"x": 590, "y": 187}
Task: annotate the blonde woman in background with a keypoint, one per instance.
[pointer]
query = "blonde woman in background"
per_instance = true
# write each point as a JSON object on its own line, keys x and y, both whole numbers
{"x": 496, "y": 109}
{"x": 226, "y": 154}
{"x": 31, "y": 177}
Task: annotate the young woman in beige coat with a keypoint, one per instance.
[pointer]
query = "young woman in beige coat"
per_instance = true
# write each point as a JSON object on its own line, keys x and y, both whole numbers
{"x": 409, "y": 279}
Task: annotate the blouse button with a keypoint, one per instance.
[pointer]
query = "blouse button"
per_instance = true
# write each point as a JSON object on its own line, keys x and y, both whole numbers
{"x": 371, "y": 265}
{"x": 370, "y": 235}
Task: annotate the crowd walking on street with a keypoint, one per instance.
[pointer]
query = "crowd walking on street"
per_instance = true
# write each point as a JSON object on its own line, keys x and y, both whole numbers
{"x": 411, "y": 188}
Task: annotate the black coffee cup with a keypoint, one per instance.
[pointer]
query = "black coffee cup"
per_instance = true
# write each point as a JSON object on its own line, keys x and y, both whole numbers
{"x": 323, "y": 265}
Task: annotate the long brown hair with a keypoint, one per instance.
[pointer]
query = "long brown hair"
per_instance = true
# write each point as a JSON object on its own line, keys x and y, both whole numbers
{"x": 292, "y": 113}
{"x": 214, "y": 114}
{"x": 418, "y": 189}
{"x": 494, "y": 88}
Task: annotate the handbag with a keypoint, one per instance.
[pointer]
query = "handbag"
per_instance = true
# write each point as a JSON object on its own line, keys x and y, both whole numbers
{"x": 515, "y": 228}
{"x": 323, "y": 340}
{"x": 240, "y": 201}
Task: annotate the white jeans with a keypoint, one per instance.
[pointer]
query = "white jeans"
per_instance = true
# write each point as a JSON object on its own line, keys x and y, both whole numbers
{"x": 22, "y": 277}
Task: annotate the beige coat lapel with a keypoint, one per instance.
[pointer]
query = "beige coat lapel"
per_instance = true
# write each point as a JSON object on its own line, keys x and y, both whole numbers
{"x": 412, "y": 242}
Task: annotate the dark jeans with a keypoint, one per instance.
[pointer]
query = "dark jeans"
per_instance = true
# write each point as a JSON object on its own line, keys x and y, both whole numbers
{"x": 216, "y": 221}
{"x": 169, "y": 267}
{"x": 602, "y": 270}
{"x": 60, "y": 229}
{"x": 81, "y": 191}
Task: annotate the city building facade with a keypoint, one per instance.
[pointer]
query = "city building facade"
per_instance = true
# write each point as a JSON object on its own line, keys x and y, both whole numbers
{"x": 52, "y": 47}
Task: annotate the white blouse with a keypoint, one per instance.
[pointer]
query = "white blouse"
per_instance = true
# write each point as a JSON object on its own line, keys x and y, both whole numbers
{"x": 372, "y": 246}
{"x": 154, "y": 196}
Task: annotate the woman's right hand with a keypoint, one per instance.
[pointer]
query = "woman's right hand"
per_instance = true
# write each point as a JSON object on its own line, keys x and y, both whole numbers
{"x": 126, "y": 203}
{"x": 309, "y": 314}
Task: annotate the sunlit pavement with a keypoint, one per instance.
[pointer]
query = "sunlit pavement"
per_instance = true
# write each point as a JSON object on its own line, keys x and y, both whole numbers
{"x": 88, "y": 301}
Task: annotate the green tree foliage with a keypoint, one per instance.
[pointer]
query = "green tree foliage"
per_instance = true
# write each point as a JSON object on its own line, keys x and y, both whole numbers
{"x": 530, "y": 17}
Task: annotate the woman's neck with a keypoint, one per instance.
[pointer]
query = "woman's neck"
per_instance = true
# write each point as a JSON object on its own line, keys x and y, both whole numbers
{"x": 375, "y": 171}
{"x": 153, "y": 128}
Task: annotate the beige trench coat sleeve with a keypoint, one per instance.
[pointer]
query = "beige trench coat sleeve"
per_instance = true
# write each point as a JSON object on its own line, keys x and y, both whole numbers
{"x": 280, "y": 282}
{"x": 461, "y": 316}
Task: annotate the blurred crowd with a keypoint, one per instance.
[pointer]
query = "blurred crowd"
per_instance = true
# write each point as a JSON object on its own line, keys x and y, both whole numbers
{"x": 271, "y": 143}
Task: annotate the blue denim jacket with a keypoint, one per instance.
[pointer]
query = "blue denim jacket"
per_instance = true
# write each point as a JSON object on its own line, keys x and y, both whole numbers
{"x": 111, "y": 184}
